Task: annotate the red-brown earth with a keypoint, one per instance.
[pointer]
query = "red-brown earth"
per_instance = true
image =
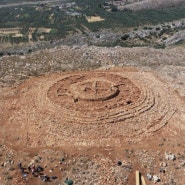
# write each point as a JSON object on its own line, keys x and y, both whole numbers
{"x": 94, "y": 127}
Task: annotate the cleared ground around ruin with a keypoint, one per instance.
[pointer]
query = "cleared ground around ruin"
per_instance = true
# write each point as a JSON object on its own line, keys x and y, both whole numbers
{"x": 102, "y": 108}
{"x": 95, "y": 118}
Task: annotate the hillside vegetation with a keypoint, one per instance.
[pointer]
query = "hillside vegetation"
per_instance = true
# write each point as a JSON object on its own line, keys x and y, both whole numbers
{"x": 55, "y": 20}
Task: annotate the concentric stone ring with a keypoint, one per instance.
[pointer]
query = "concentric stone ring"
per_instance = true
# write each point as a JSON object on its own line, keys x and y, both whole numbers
{"x": 93, "y": 108}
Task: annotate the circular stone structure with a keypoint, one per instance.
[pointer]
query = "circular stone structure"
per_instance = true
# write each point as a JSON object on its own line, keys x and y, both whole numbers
{"x": 104, "y": 94}
{"x": 93, "y": 90}
{"x": 95, "y": 108}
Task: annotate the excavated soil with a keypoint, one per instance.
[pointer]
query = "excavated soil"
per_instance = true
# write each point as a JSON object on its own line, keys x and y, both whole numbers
{"x": 94, "y": 127}
{"x": 95, "y": 108}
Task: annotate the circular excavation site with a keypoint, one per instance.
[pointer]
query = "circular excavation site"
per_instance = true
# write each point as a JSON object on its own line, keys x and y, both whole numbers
{"x": 95, "y": 108}
{"x": 94, "y": 99}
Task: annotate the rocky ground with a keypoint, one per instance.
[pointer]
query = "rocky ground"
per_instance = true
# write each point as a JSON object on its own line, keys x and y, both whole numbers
{"x": 27, "y": 134}
{"x": 168, "y": 34}
{"x": 145, "y": 4}
{"x": 167, "y": 63}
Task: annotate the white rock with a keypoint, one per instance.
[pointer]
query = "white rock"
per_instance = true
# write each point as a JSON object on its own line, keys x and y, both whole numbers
{"x": 156, "y": 178}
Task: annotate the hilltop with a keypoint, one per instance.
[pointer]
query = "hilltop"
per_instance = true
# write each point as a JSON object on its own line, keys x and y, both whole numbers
{"x": 91, "y": 92}
{"x": 93, "y": 115}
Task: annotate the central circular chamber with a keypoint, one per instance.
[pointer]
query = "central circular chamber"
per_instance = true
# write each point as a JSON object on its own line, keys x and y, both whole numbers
{"x": 94, "y": 90}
